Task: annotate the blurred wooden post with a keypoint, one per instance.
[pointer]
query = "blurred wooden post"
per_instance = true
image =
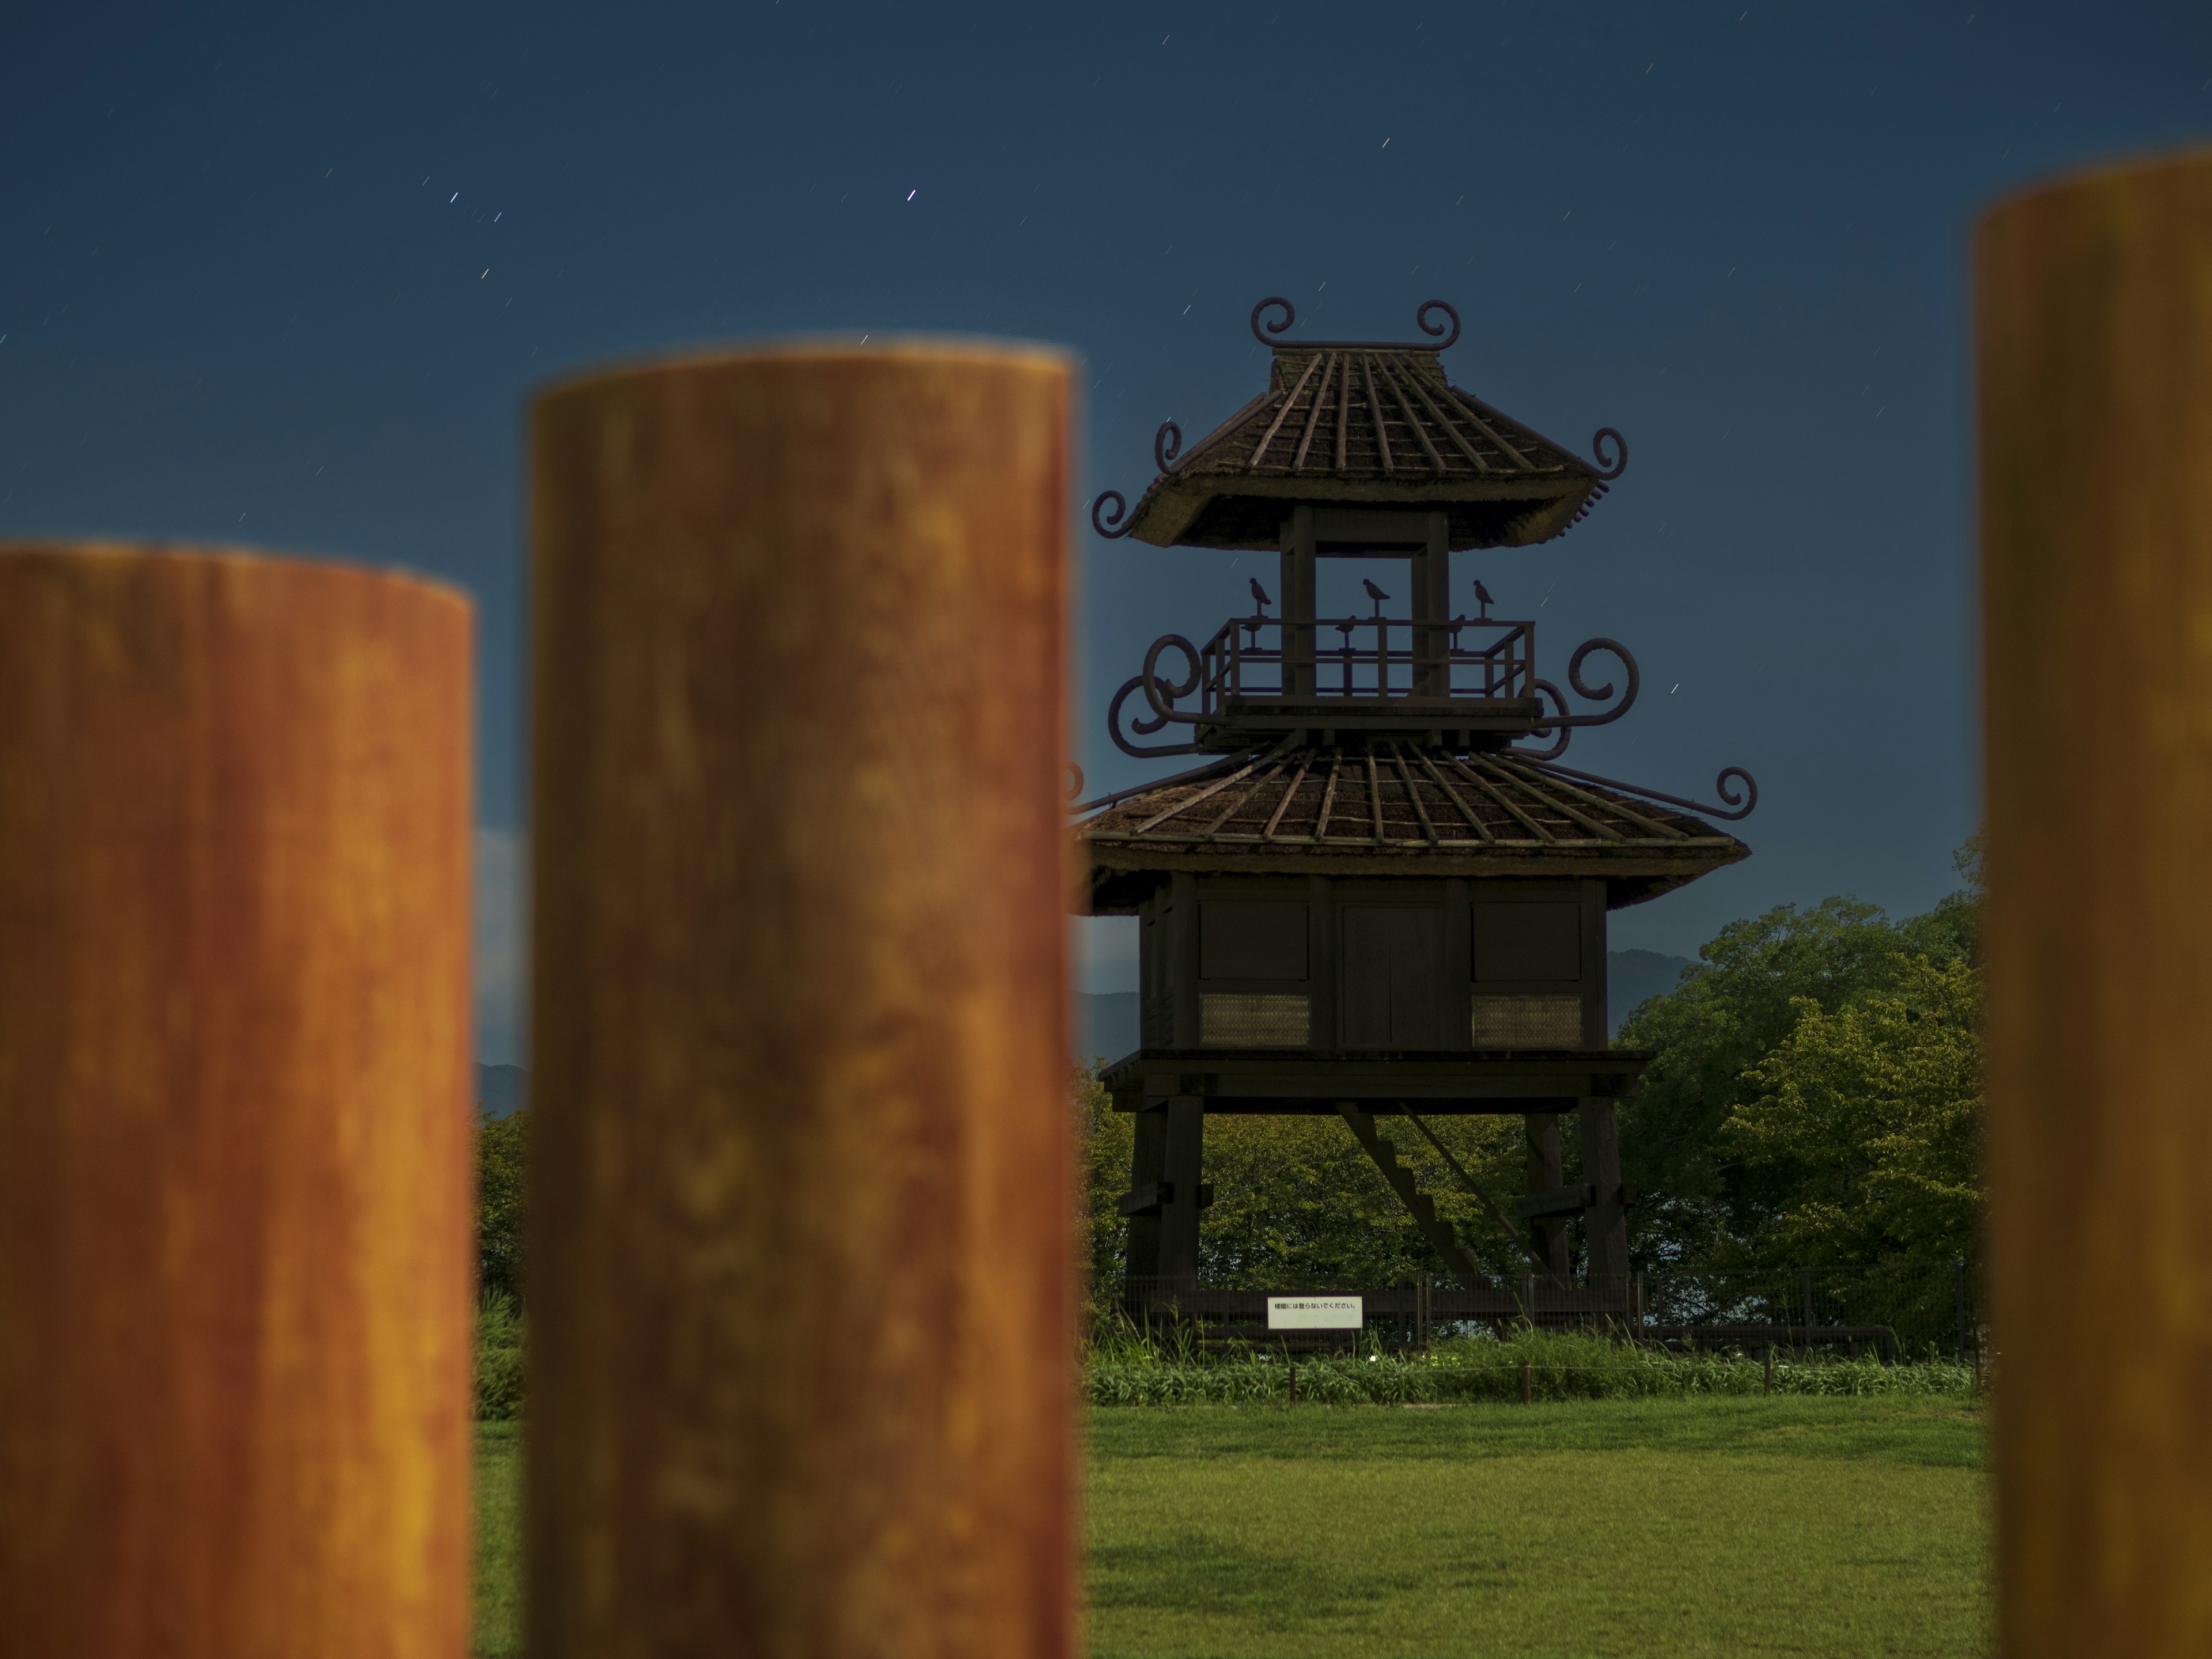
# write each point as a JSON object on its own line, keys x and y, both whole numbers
{"x": 2095, "y": 299}
{"x": 800, "y": 1291}
{"x": 235, "y": 1161}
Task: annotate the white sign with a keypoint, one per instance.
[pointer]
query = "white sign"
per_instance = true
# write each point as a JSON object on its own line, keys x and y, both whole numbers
{"x": 1316, "y": 1313}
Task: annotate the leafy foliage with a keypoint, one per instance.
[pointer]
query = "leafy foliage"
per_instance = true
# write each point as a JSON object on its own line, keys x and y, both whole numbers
{"x": 1801, "y": 1039}
{"x": 499, "y": 1358}
{"x": 1872, "y": 1115}
{"x": 1561, "y": 1366}
{"x": 502, "y": 1150}
{"x": 1815, "y": 1098}
{"x": 1104, "y": 1140}
{"x": 1295, "y": 1200}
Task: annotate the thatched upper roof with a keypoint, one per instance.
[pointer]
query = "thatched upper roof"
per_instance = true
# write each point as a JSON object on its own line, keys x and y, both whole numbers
{"x": 1365, "y": 424}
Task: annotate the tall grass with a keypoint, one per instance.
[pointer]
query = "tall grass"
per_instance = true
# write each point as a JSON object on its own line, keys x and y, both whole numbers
{"x": 1126, "y": 1366}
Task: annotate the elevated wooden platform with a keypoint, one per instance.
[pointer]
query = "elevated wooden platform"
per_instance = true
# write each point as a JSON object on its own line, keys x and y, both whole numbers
{"x": 1434, "y": 1082}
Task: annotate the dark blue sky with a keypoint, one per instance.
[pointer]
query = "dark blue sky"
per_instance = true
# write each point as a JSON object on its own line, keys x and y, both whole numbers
{"x": 288, "y": 279}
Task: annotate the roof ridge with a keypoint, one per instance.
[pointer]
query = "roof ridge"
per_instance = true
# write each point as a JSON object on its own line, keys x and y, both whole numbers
{"x": 1417, "y": 442}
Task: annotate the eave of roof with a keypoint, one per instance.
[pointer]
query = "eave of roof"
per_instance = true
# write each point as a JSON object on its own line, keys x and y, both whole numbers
{"x": 1370, "y": 425}
{"x": 1399, "y": 809}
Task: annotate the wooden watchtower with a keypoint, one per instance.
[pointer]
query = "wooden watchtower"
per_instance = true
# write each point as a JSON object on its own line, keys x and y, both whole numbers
{"x": 1382, "y": 892}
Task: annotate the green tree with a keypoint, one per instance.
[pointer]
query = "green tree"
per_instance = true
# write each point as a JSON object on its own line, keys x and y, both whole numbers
{"x": 1103, "y": 1138}
{"x": 1815, "y": 1098}
{"x": 502, "y": 1150}
{"x": 1295, "y": 1200}
{"x": 1871, "y": 1114}
{"x": 1756, "y": 982}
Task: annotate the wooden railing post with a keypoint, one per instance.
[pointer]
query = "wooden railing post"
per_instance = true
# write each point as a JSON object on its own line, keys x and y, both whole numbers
{"x": 235, "y": 1162}
{"x": 2095, "y": 300}
{"x": 800, "y": 1291}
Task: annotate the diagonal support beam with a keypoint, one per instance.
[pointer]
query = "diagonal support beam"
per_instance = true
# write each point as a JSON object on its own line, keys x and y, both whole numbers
{"x": 1481, "y": 1197}
{"x": 1556, "y": 1201}
{"x": 1419, "y": 1204}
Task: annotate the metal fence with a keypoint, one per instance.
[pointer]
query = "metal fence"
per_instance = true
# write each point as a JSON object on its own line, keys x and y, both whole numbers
{"x": 1892, "y": 1310}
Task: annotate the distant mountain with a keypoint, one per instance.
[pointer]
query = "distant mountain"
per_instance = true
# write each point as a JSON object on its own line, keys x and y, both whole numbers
{"x": 503, "y": 1090}
{"x": 1632, "y": 976}
{"x": 1105, "y": 1023}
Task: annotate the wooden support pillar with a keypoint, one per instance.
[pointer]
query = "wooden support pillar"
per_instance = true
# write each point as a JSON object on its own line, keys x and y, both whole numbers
{"x": 1605, "y": 1224}
{"x": 1152, "y": 1030}
{"x": 1595, "y": 1022}
{"x": 1184, "y": 1163}
{"x": 1297, "y": 577}
{"x": 1183, "y": 944}
{"x": 2095, "y": 319}
{"x": 236, "y": 1170}
{"x": 1148, "y": 1167}
{"x": 1432, "y": 608}
{"x": 1547, "y": 1169}
{"x": 801, "y": 1304}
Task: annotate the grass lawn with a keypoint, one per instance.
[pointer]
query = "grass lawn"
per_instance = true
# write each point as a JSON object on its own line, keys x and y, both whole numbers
{"x": 499, "y": 1538}
{"x": 1654, "y": 1528}
{"x": 1675, "y": 1527}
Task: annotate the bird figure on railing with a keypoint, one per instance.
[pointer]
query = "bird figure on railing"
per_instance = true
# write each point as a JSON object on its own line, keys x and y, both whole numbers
{"x": 1482, "y": 598}
{"x": 1251, "y": 627}
{"x": 1374, "y": 592}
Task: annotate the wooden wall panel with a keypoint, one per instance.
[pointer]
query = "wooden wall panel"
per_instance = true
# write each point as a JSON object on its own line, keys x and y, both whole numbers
{"x": 1527, "y": 941}
{"x": 1392, "y": 964}
{"x": 1252, "y": 938}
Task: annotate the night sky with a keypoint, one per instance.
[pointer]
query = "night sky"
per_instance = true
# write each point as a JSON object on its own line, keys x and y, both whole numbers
{"x": 288, "y": 279}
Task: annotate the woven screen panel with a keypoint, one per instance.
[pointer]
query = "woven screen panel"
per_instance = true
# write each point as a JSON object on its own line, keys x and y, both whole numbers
{"x": 1527, "y": 1022}
{"x": 1254, "y": 1019}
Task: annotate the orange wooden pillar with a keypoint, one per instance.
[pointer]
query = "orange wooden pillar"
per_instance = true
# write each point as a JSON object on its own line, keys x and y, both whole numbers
{"x": 800, "y": 1291}
{"x": 235, "y": 1149}
{"x": 2095, "y": 299}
